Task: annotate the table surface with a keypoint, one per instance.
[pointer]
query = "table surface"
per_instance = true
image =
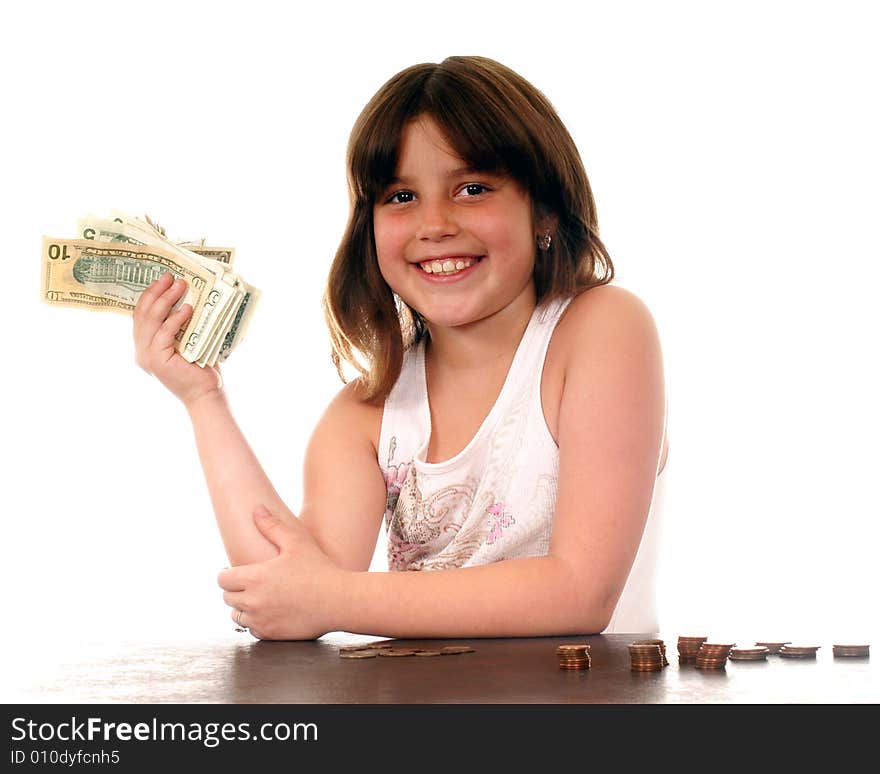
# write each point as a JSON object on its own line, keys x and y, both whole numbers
{"x": 240, "y": 670}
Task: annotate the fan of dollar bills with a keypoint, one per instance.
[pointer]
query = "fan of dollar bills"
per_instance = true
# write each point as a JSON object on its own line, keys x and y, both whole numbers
{"x": 113, "y": 260}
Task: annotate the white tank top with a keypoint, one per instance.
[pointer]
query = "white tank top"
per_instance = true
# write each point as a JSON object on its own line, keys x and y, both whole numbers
{"x": 495, "y": 499}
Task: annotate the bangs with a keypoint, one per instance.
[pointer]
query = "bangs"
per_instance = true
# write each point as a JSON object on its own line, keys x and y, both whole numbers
{"x": 489, "y": 139}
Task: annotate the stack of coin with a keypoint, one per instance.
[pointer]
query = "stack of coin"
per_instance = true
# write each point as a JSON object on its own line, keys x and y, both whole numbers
{"x": 713, "y": 655}
{"x": 646, "y": 657}
{"x": 655, "y": 642}
{"x": 851, "y": 651}
{"x": 772, "y": 647}
{"x": 758, "y": 653}
{"x": 573, "y": 656}
{"x": 799, "y": 651}
{"x": 688, "y": 647}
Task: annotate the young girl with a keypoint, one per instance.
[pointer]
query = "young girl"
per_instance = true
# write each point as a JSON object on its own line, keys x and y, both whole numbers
{"x": 508, "y": 421}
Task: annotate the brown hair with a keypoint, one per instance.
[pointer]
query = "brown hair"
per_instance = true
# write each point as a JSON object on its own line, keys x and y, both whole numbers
{"x": 496, "y": 121}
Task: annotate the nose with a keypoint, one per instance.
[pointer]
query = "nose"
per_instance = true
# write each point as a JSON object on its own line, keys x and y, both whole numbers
{"x": 437, "y": 220}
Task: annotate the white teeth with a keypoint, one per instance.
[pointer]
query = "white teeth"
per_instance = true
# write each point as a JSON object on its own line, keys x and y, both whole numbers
{"x": 447, "y": 267}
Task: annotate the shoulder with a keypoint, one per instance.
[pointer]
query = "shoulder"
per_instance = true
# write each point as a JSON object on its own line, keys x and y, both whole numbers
{"x": 611, "y": 363}
{"x": 606, "y": 308}
{"x": 600, "y": 322}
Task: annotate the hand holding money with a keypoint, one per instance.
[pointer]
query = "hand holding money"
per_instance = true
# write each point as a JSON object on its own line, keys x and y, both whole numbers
{"x": 155, "y": 331}
{"x": 112, "y": 262}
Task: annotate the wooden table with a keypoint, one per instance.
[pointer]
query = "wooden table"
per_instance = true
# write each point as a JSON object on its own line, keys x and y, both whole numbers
{"x": 240, "y": 670}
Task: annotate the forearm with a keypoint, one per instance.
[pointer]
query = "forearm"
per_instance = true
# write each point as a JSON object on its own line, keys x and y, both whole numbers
{"x": 513, "y": 598}
{"x": 236, "y": 480}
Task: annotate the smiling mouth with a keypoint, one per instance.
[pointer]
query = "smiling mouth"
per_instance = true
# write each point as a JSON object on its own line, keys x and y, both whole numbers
{"x": 448, "y": 265}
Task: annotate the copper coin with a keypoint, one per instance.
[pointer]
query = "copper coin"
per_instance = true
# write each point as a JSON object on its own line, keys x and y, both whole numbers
{"x": 358, "y": 653}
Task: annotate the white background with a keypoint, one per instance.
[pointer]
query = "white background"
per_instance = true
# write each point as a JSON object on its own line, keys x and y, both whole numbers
{"x": 733, "y": 153}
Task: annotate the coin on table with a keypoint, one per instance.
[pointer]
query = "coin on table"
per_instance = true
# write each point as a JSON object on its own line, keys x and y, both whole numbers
{"x": 392, "y": 652}
{"x": 773, "y": 647}
{"x": 799, "y": 651}
{"x": 362, "y": 653}
{"x": 451, "y": 650}
{"x": 355, "y": 648}
{"x": 758, "y": 653}
{"x": 851, "y": 650}
{"x": 427, "y": 653}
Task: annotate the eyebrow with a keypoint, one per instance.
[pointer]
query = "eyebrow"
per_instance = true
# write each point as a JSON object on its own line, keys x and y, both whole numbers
{"x": 457, "y": 172}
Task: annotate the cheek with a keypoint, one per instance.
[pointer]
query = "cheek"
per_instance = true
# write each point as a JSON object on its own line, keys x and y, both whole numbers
{"x": 515, "y": 240}
{"x": 390, "y": 239}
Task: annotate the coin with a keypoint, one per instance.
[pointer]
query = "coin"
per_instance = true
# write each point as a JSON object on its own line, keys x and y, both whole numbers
{"x": 363, "y": 653}
{"x": 851, "y": 650}
{"x": 398, "y": 651}
{"x": 758, "y": 653}
{"x": 799, "y": 651}
{"x": 427, "y": 653}
{"x": 773, "y": 647}
{"x": 364, "y": 646}
{"x": 451, "y": 650}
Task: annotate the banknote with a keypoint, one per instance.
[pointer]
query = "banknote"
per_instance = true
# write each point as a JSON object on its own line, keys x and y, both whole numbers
{"x": 113, "y": 260}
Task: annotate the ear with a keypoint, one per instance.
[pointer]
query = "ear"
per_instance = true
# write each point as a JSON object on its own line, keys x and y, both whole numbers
{"x": 546, "y": 222}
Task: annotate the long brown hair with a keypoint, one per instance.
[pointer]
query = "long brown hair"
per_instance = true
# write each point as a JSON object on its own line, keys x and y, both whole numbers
{"x": 496, "y": 121}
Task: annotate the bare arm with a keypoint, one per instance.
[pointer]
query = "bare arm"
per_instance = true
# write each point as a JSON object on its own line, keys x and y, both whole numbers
{"x": 236, "y": 481}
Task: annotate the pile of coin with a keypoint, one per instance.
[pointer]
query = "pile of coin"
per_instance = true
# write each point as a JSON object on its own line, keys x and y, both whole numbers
{"x": 757, "y": 653}
{"x": 573, "y": 656}
{"x": 799, "y": 651}
{"x": 772, "y": 647}
{"x": 646, "y": 657}
{"x": 688, "y": 647}
{"x": 655, "y": 642}
{"x": 851, "y": 651}
{"x": 713, "y": 655}
{"x": 372, "y": 650}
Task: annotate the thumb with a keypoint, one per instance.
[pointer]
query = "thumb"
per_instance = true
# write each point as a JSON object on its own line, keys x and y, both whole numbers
{"x": 271, "y": 527}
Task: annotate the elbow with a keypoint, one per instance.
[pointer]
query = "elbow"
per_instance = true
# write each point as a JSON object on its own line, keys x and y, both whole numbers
{"x": 589, "y": 605}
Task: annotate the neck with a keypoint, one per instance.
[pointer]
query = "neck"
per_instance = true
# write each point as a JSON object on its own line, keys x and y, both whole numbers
{"x": 476, "y": 345}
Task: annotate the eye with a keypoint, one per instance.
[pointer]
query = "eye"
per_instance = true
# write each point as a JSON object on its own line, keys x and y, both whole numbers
{"x": 474, "y": 189}
{"x": 400, "y": 197}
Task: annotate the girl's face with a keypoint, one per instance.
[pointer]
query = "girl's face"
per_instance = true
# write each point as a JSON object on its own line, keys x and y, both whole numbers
{"x": 458, "y": 245}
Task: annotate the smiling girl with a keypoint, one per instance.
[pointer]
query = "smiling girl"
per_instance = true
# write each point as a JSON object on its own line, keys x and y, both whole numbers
{"x": 508, "y": 424}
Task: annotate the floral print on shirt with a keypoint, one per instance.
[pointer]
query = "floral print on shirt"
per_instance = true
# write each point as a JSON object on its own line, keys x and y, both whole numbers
{"x": 499, "y": 519}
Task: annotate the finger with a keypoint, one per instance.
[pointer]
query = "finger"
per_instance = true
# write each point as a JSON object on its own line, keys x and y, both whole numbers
{"x": 149, "y": 318}
{"x": 161, "y": 306}
{"x": 167, "y": 333}
{"x": 240, "y": 618}
{"x": 155, "y": 289}
{"x": 231, "y": 579}
{"x": 280, "y": 532}
{"x": 235, "y": 599}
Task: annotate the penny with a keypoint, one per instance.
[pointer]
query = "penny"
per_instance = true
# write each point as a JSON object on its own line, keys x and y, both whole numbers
{"x": 358, "y": 653}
